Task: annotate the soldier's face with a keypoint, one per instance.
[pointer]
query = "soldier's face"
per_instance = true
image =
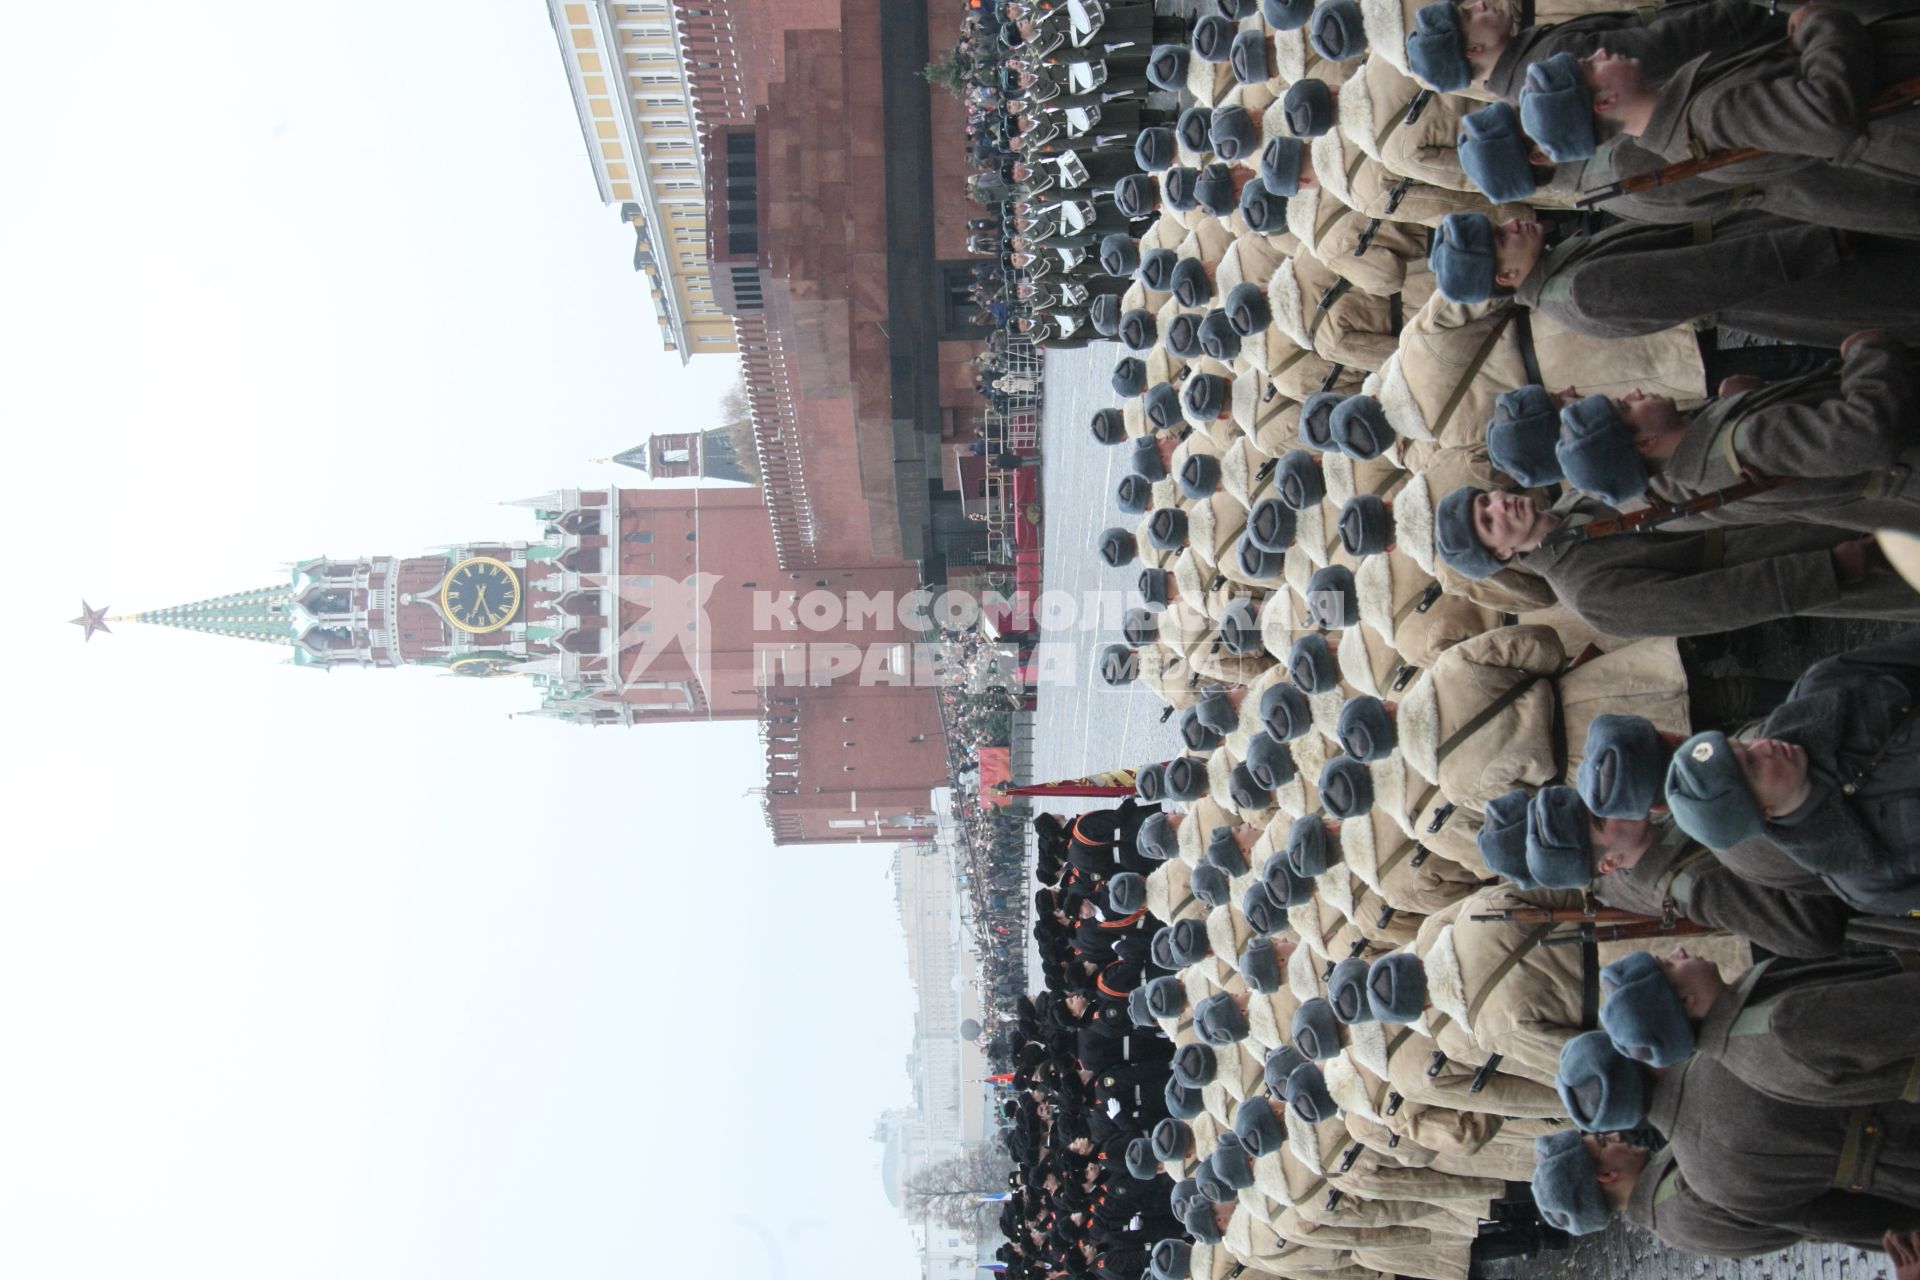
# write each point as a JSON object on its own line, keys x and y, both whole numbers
{"x": 1618, "y": 842}
{"x": 1612, "y": 78}
{"x": 1502, "y": 521}
{"x": 1517, "y": 245}
{"x": 1614, "y": 1158}
{"x": 1484, "y": 25}
{"x": 1651, "y": 418}
{"x": 1776, "y": 773}
{"x": 1695, "y": 980}
{"x": 1284, "y": 945}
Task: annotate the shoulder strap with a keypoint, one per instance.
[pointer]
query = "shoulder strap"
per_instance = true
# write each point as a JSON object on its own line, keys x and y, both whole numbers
{"x": 1472, "y": 371}
{"x": 1485, "y": 714}
{"x": 1852, "y": 785}
{"x": 1673, "y": 886}
{"x": 1506, "y": 966}
{"x": 1523, "y": 334}
{"x": 1853, "y": 1169}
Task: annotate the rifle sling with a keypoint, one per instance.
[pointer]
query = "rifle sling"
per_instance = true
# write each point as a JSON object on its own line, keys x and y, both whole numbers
{"x": 1472, "y": 370}
{"x": 1486, "y": 714}
{"x": 1506, "y": 966}
{"x": 1665, "y": 513}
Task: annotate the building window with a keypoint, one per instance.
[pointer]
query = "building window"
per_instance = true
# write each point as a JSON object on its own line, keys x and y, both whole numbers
{"x": 640, "y": 537}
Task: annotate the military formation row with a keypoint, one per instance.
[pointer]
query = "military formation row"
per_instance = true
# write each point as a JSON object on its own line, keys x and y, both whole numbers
{"x": 1427, "y": 490}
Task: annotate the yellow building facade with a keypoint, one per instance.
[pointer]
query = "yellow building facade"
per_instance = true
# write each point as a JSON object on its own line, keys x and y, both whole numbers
{"x": 630, "y": 91}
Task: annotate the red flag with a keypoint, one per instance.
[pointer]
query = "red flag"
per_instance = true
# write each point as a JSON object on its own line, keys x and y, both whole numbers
{"x": 1115, "y": 782}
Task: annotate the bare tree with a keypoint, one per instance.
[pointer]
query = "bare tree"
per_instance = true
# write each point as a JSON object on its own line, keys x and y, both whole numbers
{"x": 736, "y": 416}
{"x": 947, "y": 1192}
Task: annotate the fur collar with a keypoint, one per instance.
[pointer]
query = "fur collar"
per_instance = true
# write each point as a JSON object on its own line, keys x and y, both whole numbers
{"x": 1221, "y": 931}
{"x": 1305, "y": 920}
{"x": 1186, "y": 576}
{"x": 1330, "y": 166}
{"x": 1418, "y": 723}
{"x": 1303, "y": 215}
{"x": 1353, "y": 108}
{"x": 1326, "y": 712}
{"x": 1238, "y": 887}
{"x": 1292, "y": 799}
{"x": 1413, "y": 522}
{"x": 1297, "y": 569}
{"x": 1258, "y": 255}
{"x": 1233, "y": 1075}
{"x": 1303, "y": 982}
{"x": 1310, "y": 534}
{"x": 1337, "y": 468}
{"x": 1289, "y": 311}
{"x": 1203, "y": 532}
{"x": 1305, "y": 1145}
{"x": 1214, "y": 1097}
{"x": 1164, "y": 889}
{"x": 1230, "y": 273}
{"x": 1290, "y": 55}
{"x": 1311, "y": 752}
{"x": 1367, "y": 1044}
{"x": 1237, "y": 470}
{"x": 1399, "y": 403}
{"x": 1270, "y": 1178}
{"x": 1386, "y": 26}
{"x": 1237, "y": 1240}
{"x": 1358, "y": 852}
{"x": 1349, "y": 1089}
{"x": 1219, "y": 766}
{"x": 1203, "y": 81}
{"x": 1354, "y": 656}
{"x": 1198, "y": 988}
{"x": 1262, "y": 1027}
{"x": 1164, "y": 493}
{"x": 1334, "y": 886}
{"x": 1277, "y": 624}
{"x": 1446, "y": 985}
{"x": 1191, "y": 839}
{"x": 1246, "y": 391}
{"x": 1133, "y": 414}
{"x": 1390, "y": 790}
{"x": 1373, "y": 583}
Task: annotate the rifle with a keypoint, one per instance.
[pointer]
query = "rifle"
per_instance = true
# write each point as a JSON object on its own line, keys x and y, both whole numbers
{"x": 1565, "y": 915}
{"x": 1644, "y": 928}
{"x": 1894, "y": 97}
{"x": 1659, "y": 513}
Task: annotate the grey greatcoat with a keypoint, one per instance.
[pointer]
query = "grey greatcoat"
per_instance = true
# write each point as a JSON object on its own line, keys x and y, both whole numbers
{"x": 1752, "y": 271}
{"x": 1685, "y": 877}
{"x": 1840, "y": 1173}
{"x": 1848, "y": 437}
{"x": 1678, "y": 584}
{"x": 1664, "y": 1203}
{"x": 1859, "y": 831}
{"x": 1683, "y": 29}
{"x": 1805, "y": 106}
{"x": 1840, "y": 1031}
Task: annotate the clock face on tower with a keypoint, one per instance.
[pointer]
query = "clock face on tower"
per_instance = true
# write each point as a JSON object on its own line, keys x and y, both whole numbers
{"x": 481, "y": 594}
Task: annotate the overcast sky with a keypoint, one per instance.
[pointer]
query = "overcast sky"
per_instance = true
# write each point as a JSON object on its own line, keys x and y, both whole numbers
{"x": 349, "y": 975}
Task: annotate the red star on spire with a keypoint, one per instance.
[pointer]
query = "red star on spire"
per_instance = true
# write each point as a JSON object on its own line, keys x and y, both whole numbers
{"x": 92, "y": 619}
